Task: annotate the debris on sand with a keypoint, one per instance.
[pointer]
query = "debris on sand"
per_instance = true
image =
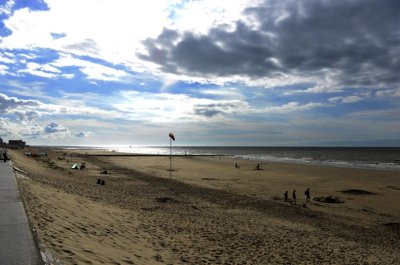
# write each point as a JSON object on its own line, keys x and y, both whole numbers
{"x": 209, "y": 179}
{"x": 393, "y": 226}
{"x": 357, "y": 192}
{"x": 165, "y": 200}
{"x": 78, "y": 166}
{"x": 328, "y": 199}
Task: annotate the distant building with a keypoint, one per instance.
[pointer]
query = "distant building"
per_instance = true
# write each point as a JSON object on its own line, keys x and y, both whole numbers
{"x": 1, "y": 142}
{"x": 16, "y": 144}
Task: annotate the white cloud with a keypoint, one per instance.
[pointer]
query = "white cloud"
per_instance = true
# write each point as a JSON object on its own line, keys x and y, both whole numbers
{"x": 22, "y": 116}
{"x": 114, "y": 30}
{"x": 27, "y": 115}
{"x": 31, "y": 89}
{"x": 11, "y": 103}
{"x": 83, "y": 134}
{"x": 392, "y": 114}
{"x": 39, "y": 70}
{"x": 29, "y": 56}
{"x": 3, "y": 69}
{"x": 50, "y": 68}
{"x": 76, "y": 108}
{"x": 335, "y": 99}
{"x": 5, "y": 59}
{"x": 56, "y": 130}
{"x": 92, "y": 71}
{"x": 111, "y": 30}
{"x": 68, "y": 76}
{"x": 166, "y": 107}
{"x": 114, "y": 27}
{"x": 284, "y": 16}
{"x": 7, "y": 7}
{"x": 293, "y": 107}
{"x": 13, "y": 129}
{"x": 227, "y": 93}
{"x": 200, "y": 16}
{"x": 389, "y": 93}
{"x": 350, "y": 99}
{"x": 28, "y": 110}
{"x": 31, "y": 131}
{"x": 323, "y": 86}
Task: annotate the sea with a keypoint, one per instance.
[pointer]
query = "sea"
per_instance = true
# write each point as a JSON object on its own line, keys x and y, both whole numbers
{"x": 384, "y": 158}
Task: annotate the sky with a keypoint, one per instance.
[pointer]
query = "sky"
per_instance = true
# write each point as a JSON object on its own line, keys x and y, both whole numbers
{"x": 213, "y": 72}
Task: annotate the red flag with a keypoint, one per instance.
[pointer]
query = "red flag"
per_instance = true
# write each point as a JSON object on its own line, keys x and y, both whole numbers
{"x": 172, "y": 136}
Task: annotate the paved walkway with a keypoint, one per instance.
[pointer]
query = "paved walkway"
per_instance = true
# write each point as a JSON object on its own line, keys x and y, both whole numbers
{"x": 17, "y": 245}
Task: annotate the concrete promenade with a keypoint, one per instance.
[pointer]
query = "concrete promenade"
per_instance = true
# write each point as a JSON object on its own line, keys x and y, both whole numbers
{"x": 17, "y": 245}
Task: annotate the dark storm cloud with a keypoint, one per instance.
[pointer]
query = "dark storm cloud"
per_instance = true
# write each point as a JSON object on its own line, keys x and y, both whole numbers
{"x": 357, "y": 41}
{"x": 243, "y": 52}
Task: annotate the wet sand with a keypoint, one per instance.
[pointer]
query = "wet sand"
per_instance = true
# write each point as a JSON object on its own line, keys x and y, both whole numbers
{"x": 208, "y": 212}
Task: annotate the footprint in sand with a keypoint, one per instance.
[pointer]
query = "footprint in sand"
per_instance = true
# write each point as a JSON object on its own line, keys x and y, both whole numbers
{"x": 68, "y": 252}
{"x": 88, "y": 251}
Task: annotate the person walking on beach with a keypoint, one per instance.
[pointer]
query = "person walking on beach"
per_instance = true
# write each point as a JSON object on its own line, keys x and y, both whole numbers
{"x": 294, "y": 196}
{"x": 286, "y": 196}
{"x": 307, "y": 193}
{"x": 5, "y": 156}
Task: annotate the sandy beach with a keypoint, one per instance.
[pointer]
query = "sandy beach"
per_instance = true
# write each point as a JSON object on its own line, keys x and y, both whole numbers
{"x": 206, "y": 211}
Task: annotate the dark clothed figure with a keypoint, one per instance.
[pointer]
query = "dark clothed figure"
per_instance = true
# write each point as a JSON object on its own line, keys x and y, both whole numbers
{"x": 294, "y": 196}
{"x": 5, "y": 156}
{"x": 307, "y": 193}
{"x": 286, "y": 196}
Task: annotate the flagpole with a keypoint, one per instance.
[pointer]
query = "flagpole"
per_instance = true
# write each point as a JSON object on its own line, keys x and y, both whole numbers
{"x": 171, "y": 137}
{"x": 170, "y": 157}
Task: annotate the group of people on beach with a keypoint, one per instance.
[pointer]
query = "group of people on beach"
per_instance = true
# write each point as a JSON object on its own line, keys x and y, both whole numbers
{"x": 258, "y": 167}
{"x": 294, "y": 197}
{"x": 286, "y": 194}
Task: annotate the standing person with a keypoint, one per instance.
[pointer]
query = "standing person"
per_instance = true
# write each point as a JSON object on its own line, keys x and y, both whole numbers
{"x": 294, "y": 196}
{"x": 5, "y": 156}
{"x": 286, "y": 196}
{"x": 307, "y": 193}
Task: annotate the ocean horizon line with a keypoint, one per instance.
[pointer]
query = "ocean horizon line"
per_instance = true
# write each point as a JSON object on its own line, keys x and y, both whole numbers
{"x": 234, "y": 146}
